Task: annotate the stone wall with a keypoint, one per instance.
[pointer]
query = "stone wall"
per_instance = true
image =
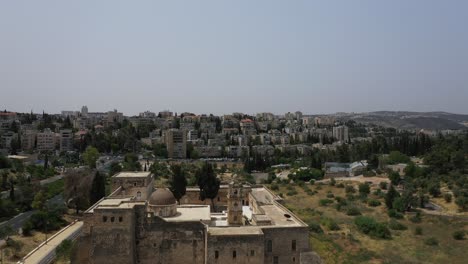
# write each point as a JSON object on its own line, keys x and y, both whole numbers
{"x": 282, "y": 244}
{"x": 235, "y": 249}
{"x": 164, "y": 242}
{"x": 108, "y": 237}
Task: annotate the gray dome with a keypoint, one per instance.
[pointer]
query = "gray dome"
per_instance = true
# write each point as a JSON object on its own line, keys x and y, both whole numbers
{"x": 162, "y": 196}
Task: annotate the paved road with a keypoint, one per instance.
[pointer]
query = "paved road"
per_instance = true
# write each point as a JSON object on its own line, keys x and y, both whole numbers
{"x": 6, "y": 194}
{"x": 18, "y": 221}
{"x": 45, "y": 251}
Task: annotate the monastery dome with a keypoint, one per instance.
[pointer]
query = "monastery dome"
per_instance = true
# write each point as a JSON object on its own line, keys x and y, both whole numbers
{"x": 162, "y": 196}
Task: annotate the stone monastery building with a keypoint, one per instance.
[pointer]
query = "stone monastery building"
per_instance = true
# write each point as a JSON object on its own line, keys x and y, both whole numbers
{"x": 137, "y": 224}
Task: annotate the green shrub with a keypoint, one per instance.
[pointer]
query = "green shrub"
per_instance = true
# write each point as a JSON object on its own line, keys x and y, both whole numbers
{"x": 394, "y": 214}
{"x": 315, "y": 227}
{"x": 330, "y": 224}
{"x": 448, "y": 197}
{"x": 340, "y": 185}
{"x": 312, "y": 182}
{"x": 353, "y": 211}
{"x": 373, "y": 202}
{"x": 330, "y": 195}
{"x": 371, "y": 227}
{"x": 350, "y": 189}
{"x": 274, "y": 187}
{"x": 325, "y": 202}
{"x": 291, "y": 193}
{"x": 383, "y": 185}
{"x": 416, "y": 218}
{"x": 27, "y": 228}
{"x": 432, "y": 241}
{"x": 459, "y": 235}
{"x": 63, "y": 251}
{"x": 418, "y": 231}
{"x": 395, "y": 225}
{"x": 332, "y": 181}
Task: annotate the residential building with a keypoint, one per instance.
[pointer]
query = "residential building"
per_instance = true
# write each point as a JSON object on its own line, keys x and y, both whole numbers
{"x": 46, "y": 140}
{"x": 341, "y": 133}
{"x": 66, "y": 140}
{"x": 176, "y": 143}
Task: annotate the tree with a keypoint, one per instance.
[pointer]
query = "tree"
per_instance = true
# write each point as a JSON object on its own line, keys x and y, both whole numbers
{"x": 77, "y": 188}
{"x": 391, "y": 195}
{"x": 90, "y": 156}
{"x": 39, "y": 201}
{"x": 364, "y": 189}
{"x": 394, "y": 177}
{"x": 46, "y": 161}
{"x": 98, "y": 188}
{"x": 208, "y": 183}
{"x": 178, "y": 183}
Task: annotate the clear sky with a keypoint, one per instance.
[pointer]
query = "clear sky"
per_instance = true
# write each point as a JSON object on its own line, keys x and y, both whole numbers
{"x": 223, "y": 56}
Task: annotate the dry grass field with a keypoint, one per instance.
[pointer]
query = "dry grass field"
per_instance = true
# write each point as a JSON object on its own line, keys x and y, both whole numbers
{"x": 349, "y": 245}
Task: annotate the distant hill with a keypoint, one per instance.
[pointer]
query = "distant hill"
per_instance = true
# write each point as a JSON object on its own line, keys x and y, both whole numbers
{"x": 410, "y": 120}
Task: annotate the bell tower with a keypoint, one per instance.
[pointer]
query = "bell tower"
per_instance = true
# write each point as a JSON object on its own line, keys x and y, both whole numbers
{"x": 234, "y": 197}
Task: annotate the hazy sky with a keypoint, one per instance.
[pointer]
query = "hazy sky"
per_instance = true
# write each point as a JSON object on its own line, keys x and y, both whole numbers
{"x": 224, "y": 56}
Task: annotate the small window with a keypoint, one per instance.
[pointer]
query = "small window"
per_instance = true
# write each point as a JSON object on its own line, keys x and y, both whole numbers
{"x": 104, "y": 218}
{"x": 235, "y": 218}
{"x": 269, "y": 246}
{"x": 134, "y": 184}
{"x": 275, "y": 260}
{"x": 112, "y": 219}
{"x": 234, "y": 254}
{"x": 120, "y": 219}
{"x": 294, "y": 259}
{"x": 293, "y": 245}
{"x": 252, "y": 253}
{"x": 216, "y": 254}
{"x": 138, "y": 195}
{"x": 218, "y": 199}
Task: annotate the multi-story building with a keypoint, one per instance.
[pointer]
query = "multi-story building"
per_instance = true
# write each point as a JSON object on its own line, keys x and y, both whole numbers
{"x": 28, "y": 140}
{"x": 46, "y": 140}
{"x": 84, "y": 111}
{"x": 66, "y": 140}
{"x": 246, "y": 225}
{"x": 176, "y": 143}
{"x": 341, "y": 133}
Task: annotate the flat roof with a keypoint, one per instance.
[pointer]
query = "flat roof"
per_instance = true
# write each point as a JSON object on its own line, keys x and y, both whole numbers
{"x": 190, "y": 213}
{"x": 130, "y": 174}
{"x": 235, "y": 231}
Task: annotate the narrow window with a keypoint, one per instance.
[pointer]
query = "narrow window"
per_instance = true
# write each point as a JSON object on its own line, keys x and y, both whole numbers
{"x": 275, "y": 260}
{"x": 294, "y": 259}
{"x": 252, "y": 253}
{"x": 216, "y": 254}
{"x": 235, "y": 218}
{"x": 120, "y": 219}
{"x": 104, "y": 218}
{"x": 218, "y": 198}
{"x": 234, "y": 254}
{"x": 269, "y": 245}
{"x": 293, "y": 245}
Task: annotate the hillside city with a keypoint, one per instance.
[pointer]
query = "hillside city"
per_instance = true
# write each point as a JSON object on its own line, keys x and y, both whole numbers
{"x": 103, "y": 187}
{"x": 339, "y": 183}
